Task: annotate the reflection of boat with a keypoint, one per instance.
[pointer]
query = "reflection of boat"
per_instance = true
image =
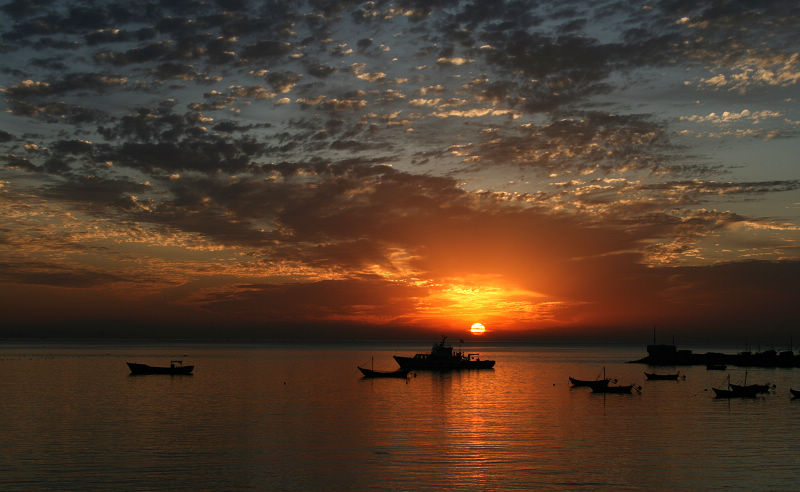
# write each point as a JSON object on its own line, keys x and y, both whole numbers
{"x": 651, "y": 376}
{"x": 369, "y": 373}
{"x": 593, "y": 383}
{"x": 442, "y": 357}
{"x": 740, "y": 392}
{"x": 795, "y": 393}
{"x": 176, "y": 367}
{"x": 612, "y": 389}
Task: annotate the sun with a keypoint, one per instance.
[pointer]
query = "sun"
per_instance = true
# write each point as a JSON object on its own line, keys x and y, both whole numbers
{"x": 477, "y": 329}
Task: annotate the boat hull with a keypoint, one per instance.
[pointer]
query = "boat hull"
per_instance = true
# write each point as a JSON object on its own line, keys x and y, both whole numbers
{"x": 756, "y": 388}
{"x": 443, "y": 364}
{"x": 369, "y": 373}
{"x": 743, "y": 392}
{"x": 661, "y": 377}
{"x": 138, "y": 369}
{"x": 594, "y": 383}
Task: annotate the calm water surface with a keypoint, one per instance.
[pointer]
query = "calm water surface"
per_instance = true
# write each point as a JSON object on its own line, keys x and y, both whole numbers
{"x": 280, "y": 417}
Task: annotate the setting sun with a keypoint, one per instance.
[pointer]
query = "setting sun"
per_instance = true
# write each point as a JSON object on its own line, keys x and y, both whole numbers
{"x": 477, "y": 329}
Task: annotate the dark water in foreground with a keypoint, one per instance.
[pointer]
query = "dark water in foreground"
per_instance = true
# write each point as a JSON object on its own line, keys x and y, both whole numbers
{"x": 301, "y": 418}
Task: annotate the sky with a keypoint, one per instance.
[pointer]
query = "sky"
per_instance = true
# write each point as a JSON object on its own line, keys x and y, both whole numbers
{"x": 379, "y": 168}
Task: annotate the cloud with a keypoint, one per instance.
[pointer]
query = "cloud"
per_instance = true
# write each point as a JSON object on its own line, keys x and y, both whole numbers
{"x": 361, "y": 299}
{"x": 56, "y": 275}
{"x": 402, "y": 154}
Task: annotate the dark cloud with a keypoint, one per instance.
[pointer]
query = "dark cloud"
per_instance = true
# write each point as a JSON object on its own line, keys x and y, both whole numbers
{"x": 592, "y": 141}
{"x": 98, "y": 193}
{"x": 266, "y": 49}
{"x": 320, "y": 70}
{"x": 16, "y": 162}
{"x": 207, "y": 155}
{"x": 56, "y": 275}
{"x": 370, "y": 298}
{"x": 283, "y": 81}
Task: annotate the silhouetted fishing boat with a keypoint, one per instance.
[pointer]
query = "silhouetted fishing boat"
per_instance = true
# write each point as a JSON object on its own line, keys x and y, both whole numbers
{"x": 370, "y": 373}
{"x": 716, "y": 367}
{"x": 443, "y": 358}
{"x": 758, "y": 388}
{"x": 795, "y": 393}
{"x": 651, "y": 376}
{"x": 176, "y": 367}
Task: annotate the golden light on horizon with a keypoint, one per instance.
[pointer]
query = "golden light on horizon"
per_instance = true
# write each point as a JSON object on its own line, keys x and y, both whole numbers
{"x": 478, "y": 329}
{"x": 457, "y": 302}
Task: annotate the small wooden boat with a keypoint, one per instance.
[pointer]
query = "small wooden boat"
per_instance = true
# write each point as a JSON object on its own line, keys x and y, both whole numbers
{"x": 758, "y": 388}
{"x": 176, "y": 367}
{"x": 592, "y": 383}
{"x": 651, "y": 376}
{"x": 370, "y": 373}
{"x": 589, "y": 383}
{"x": 795, "y": 393}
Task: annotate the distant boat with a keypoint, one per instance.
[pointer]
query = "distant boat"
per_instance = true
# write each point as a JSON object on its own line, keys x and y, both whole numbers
{"x": 176, "y": 367}
{"x": 716, "y": 367}
{"x": 651, "y": 376}
{"x": 442, "y": 358}
{"x": 795, "y": 393}
{"x": 369, "y": 373}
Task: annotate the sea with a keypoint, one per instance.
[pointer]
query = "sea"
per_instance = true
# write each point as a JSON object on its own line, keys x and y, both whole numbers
{"x": 300, "y": 417}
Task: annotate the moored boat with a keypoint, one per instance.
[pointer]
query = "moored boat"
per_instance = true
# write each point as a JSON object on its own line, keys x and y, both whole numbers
{"x": 795, "y": 393}
{"x": 589, "y": 383}
{"x": 176, "y": 367}
{"x": 758, "y": 388}
{"x": 740, "y": 392}
{"x": 442, "y": 358}
{"x": 652, "y": 376}
{"x": 716, "y": 367}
